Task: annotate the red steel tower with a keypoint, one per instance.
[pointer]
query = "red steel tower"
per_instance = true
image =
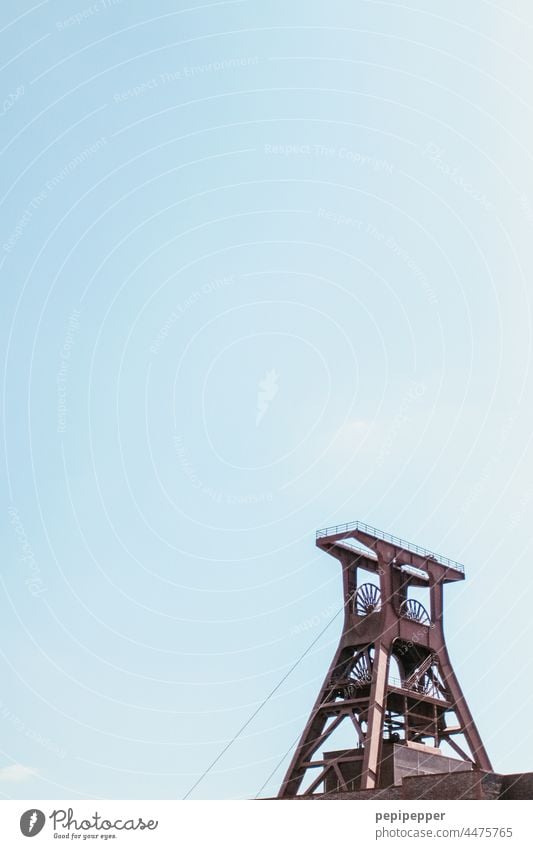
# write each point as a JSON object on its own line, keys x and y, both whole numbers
{"x": 391, "y": 680}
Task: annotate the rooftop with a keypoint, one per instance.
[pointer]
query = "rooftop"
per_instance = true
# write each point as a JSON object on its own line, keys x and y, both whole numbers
{"x": 350, "y": 527}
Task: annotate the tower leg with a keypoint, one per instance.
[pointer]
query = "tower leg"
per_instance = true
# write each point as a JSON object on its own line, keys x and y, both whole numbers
{"x": 313, "y": 734}
{"x": 374, "y": 731}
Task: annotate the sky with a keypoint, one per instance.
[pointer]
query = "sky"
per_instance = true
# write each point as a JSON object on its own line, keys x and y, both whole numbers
{"x": 265, "y": 268}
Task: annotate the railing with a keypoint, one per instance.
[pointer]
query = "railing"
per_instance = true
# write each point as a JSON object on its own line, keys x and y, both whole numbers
{"x": 382, "y": 535}
{"x": 422, "y": 689}
{"x": 353, "y": 685}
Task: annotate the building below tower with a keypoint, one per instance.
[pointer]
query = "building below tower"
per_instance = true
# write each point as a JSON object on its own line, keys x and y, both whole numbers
{"x": 454, "y": 785}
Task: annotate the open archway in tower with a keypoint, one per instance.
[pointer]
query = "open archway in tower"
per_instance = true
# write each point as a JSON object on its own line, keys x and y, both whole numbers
{"x": 395, "y": 673}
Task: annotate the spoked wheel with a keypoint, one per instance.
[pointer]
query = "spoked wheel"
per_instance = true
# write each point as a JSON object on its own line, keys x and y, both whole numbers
{"x": 413, "y": 610}
{"x": 367, "y": 600}
{"x": 362, "y": 669}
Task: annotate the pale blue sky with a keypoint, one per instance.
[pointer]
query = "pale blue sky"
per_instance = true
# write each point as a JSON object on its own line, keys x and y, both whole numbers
{"x": 274, "y": 260}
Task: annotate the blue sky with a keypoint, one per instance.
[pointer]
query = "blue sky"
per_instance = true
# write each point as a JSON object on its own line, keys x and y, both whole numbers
{"x": 265, "y": 268}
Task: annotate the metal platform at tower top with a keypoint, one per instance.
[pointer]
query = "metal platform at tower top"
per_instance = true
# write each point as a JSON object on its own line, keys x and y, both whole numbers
{"x": 337, "y": 532}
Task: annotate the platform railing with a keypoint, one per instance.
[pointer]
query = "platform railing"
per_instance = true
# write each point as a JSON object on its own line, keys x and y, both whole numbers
{"x": 355, "y": 685}
{"x": 385, "y": 537}
{"x": 431, "y": 690}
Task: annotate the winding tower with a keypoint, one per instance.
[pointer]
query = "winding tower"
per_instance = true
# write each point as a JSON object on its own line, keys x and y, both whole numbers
{"x": 391, "y": 680}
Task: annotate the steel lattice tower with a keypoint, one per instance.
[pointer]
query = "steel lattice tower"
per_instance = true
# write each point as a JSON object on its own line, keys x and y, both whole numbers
{"x": 393, "y": 720}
